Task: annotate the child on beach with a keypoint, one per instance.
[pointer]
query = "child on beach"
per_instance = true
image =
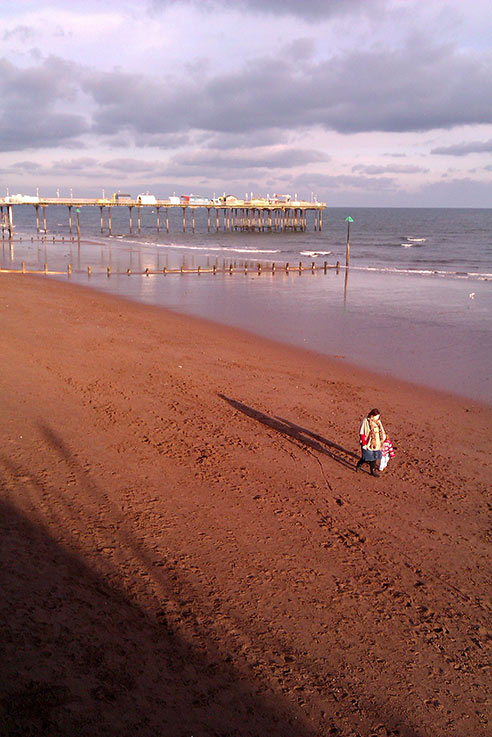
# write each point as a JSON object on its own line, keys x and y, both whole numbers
{"x": 387, "y": 452}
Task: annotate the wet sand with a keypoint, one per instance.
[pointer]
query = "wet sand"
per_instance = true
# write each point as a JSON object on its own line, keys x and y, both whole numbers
{"x": 187, "y": 550}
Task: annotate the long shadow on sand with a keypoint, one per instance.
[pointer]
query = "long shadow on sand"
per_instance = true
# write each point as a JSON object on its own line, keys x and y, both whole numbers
{"x": 306, "y": 437}
{"x": 80, "y": 657}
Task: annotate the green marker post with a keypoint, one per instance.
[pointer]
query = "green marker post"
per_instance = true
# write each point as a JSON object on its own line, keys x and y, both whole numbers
{"x": 78, "y": 223}
{"x": 347, "y": 251}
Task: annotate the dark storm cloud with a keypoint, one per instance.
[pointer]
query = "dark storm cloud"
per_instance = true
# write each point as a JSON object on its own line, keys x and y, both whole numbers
{"x": 29, "y": 112}
{"x": 414, "y": 88}
{"x": 463, "y": 149}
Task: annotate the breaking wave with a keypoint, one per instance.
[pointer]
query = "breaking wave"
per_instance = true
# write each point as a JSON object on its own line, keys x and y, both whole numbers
{"x": 314, "y": 254}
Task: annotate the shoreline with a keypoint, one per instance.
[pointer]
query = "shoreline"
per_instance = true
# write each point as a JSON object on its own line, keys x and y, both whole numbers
{"x": 423, "y": 384}
{"x": 358, "y": 372}
{"x": 186, "y": 546}
{"x": 392, "y": 318}
{"x": 337, "y": 363}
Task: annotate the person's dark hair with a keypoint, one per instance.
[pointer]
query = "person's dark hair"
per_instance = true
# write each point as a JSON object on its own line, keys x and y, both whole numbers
{"x": 374, "y": 412}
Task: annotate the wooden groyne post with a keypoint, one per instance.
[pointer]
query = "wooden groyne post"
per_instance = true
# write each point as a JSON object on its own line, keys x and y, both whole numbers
{"x": 230, "y": 268}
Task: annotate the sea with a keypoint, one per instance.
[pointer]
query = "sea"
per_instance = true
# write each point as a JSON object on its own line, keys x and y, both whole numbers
{"x": 415, "y": 302}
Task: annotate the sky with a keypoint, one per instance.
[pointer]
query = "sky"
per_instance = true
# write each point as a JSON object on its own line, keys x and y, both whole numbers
{"x": 376, "y": 103}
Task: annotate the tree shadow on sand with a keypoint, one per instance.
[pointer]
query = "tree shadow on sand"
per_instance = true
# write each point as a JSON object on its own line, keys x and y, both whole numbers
{"x": 310, "y": 439}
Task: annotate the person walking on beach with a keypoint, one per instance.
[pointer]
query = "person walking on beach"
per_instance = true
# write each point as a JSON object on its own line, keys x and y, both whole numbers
{"x": 372, "y": 437}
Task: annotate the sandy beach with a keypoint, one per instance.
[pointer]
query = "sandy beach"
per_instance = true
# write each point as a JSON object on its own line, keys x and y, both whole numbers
{"x": 188, "y": 552}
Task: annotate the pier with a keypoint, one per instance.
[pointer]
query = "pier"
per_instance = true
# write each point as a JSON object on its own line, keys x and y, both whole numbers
{"x": 229, "y": 214}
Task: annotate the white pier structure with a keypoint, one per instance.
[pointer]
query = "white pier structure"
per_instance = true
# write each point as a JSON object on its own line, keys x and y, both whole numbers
{"x": 279, "y": 213}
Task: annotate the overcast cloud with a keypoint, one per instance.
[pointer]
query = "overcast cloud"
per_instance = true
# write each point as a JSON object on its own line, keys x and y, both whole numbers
{"x": 462, "y": 149}
{"x": 317, "y": 95}
{"x": 311, "y": 10}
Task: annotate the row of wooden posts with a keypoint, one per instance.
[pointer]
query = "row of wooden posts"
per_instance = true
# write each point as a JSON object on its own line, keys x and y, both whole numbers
{"x": 42, "y": 239}
{"x": 231, "y": 269}
{"x": 347, "y": 252}
{"x": 234, "y": 219}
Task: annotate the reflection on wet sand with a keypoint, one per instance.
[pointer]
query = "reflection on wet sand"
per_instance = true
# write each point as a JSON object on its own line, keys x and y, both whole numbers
{"x": 298, "y": 306}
